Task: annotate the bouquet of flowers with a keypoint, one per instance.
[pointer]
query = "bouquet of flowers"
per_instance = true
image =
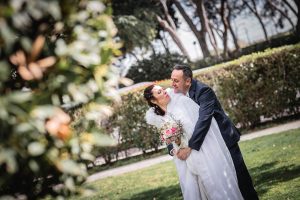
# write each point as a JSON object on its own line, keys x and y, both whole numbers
{"x": 172, "y": 132}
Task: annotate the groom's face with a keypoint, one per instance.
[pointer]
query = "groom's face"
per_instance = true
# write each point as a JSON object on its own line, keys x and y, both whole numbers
{"x": 180, "y": 84}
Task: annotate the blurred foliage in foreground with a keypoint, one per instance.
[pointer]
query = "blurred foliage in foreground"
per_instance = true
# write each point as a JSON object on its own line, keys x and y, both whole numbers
{"x": 52, "y": 54}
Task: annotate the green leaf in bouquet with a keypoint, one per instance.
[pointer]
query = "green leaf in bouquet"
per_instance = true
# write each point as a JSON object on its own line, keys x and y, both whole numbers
{"x": 4, "y": 71}
{"x": 26, "y": 44}
{"x": 75, "y": 146}
{"x": 7, "y": 35}
{"x": 19, "y": 97}
{"x": 54, "y": 9}
{"x": 3, "y": 109}
{"x": 77, "y": 95}
{"x": 36, "y": 148}
{"x": 69, "y": 183}
{"x": 97, "y": 111}
{"x": 70, "y": 167}
{"x": 7, "y": 197}
{"x": 87, "y": 146}
{"x": 8, "y": 156}
{"x": 23, "y": 128}
{"x": 34, "y": 165}
{"x": 87, "y": 156}
{"x": 42, "y": 112}
{"x": 16, "y": 110}
{"x": 103, "y": 140}
{"x": 52, "y": 154}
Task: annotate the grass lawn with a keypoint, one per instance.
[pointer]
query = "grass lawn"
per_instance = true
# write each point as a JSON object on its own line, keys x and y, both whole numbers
{"x": 273, "y": 161}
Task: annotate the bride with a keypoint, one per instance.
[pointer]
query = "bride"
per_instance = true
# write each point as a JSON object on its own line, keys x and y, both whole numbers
{"x": 208, "y": 173}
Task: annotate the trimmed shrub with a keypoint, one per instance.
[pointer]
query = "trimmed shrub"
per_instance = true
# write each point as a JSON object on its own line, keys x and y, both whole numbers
{"x": 261, "y": 85}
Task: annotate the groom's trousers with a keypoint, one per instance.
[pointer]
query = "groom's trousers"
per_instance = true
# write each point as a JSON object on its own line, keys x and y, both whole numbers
{"x": 243, "y": 176}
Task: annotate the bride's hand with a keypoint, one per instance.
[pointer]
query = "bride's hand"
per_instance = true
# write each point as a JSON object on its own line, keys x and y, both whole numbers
{"x": 183, "y": 153}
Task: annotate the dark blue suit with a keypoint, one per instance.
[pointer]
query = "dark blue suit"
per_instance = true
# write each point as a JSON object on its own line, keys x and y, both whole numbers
{"x": 210, "y": 107}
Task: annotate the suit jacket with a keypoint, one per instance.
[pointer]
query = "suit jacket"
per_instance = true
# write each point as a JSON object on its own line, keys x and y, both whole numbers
{"x": 210, "y": 107}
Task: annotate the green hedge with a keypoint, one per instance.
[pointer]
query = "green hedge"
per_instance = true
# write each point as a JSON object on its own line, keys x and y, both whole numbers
{"x": 133, "y": 131}
{"x": 259, "y": 85}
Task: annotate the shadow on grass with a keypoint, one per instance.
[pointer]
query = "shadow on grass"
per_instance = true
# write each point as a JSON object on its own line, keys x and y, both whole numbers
{"x": 268, "y": 175}
{"x": 265, "y": 177}
{"x": 172, "y": 192}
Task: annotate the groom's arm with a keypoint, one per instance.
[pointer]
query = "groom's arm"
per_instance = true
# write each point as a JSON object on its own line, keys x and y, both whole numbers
{"x": 206, "y": 99}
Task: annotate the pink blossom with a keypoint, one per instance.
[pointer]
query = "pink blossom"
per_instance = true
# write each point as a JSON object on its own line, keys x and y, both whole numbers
{"x": 168, "y": 132}
{"x": 173, "y": 130}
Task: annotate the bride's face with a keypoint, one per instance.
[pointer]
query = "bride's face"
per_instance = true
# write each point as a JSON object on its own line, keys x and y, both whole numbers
{"x": 160, "y": 95}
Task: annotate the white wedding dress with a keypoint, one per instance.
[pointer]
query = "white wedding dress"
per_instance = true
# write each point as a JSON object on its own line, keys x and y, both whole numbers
{"x": 208, "y": 173}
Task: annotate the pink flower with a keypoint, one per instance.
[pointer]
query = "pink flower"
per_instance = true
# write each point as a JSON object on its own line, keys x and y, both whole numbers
{"x": 168, "y": 132}
{"x": 173, "y": 130}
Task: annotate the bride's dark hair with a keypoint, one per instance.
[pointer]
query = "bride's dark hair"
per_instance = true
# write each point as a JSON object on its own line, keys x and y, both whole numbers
{"x": 148, "y": 95}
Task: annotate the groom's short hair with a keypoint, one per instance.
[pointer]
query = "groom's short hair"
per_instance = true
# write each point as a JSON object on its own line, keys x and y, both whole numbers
{"x": 187, "y": 71}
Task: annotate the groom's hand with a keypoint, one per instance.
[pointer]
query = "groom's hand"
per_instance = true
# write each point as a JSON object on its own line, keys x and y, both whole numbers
{"x": 184, "y": 153}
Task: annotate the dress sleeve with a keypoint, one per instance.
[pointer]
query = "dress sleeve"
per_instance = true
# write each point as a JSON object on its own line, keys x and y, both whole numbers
{"x": 186, "y": 110}
{"x": 207, "y": 99}
{"x": 153, "y": 119}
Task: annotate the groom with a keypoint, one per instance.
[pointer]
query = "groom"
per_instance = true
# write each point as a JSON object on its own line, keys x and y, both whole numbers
{"x": 204, "y": 96}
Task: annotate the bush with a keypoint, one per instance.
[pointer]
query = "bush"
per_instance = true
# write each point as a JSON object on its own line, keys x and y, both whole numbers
{"x": 129, "y": 121}
{"x": 253, "y": 87}
{"x": 261, "y": 85}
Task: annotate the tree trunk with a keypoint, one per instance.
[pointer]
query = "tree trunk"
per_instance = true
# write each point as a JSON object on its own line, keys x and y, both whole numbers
{"x": 225, "y": 31}
{"x": 174, "y": 36}
{"x": 297, "y": 2}
{"x": 214, "y": 39}
{"x": 254, "y": 11}
{"x": 282, "y": 13}
{"x": 168, "y": 17}
{"x": 235, "y": 39}
{"x": 165, "y": 45}
{"x": 290, "y": 7}
{"x": 191, "y": 25}
{"x": 207, "y": 28}
{"x": 204, "y": 26}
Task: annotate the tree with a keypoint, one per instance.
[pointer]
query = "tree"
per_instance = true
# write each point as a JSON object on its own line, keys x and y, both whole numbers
{"x": 194, "y": 28}
{"x": 155, "y": 68}
{"x": 145, "y": 20}
{"x": 253, "y": 8}
{"x": 53, "y": 55}
{"x": 232, "y": 7}
{"x": 136, "y": 23}
{"x": 280, "y": 9}
{"x": 298, "y": 17}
